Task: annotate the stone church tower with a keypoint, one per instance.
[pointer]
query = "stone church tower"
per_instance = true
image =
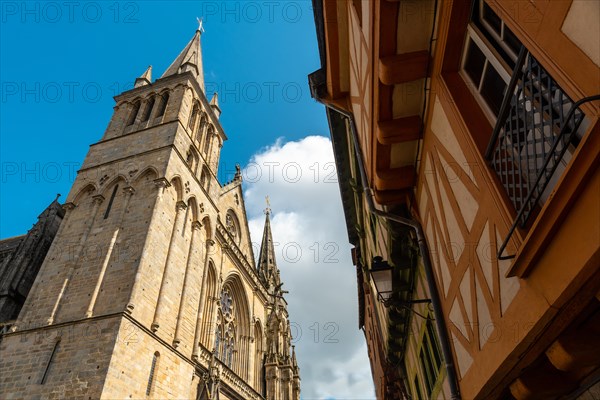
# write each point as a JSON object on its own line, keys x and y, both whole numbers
{"x": 20, "y": 260}
{"x": 150, "y": 289}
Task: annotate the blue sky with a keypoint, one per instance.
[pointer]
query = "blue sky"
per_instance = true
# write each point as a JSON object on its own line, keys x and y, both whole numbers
{"x": 62, "y": 62}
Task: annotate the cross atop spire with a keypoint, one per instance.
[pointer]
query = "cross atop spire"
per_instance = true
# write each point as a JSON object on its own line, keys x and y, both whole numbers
{"x": 268, "y": 209}
{"x": 200, "y": 25}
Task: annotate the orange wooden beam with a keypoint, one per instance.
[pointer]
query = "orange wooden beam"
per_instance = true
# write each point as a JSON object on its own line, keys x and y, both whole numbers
{"x": 542, "y": 382}
{"x": 577, "y": 349}
{"x": 392, "y": 197}
{"x": 399, "y": 130}
{"x": 400, "y": 178}
{"x": 401, "y": 68}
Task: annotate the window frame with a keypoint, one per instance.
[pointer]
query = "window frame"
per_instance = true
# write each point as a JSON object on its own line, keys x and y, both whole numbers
{"x": 468, "y": 120}
{"x": 492, "y": 57}
{"x": 498, "y": 52}
{"x": 478, "y": 38}
{"x": 499, "y": 38}
{"x": 429, "y": 371}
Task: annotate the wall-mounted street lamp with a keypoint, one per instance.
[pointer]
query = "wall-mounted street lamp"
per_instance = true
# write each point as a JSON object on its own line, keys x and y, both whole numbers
{"x": 382, "y": 275}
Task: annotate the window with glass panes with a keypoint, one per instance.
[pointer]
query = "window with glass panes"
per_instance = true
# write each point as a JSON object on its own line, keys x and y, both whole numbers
{"x": 490, "y": 52}
{"x": 429, "y": 358}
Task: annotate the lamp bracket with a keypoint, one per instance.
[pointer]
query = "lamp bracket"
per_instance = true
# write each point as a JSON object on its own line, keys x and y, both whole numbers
{"x": 404, "y": 304}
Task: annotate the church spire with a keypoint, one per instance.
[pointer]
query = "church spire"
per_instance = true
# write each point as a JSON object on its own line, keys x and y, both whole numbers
{"x": 190, "y": 59}
{"x": 267, "y": 266}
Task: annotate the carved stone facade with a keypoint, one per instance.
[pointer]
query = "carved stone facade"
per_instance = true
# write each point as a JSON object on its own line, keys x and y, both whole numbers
{"x": 159, "y": 295}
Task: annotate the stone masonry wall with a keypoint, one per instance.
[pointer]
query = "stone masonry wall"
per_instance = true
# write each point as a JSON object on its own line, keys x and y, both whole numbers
{"x": 78, "y": 367}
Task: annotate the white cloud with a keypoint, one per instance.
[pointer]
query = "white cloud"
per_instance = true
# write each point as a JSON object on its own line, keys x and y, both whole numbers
{"x": 313, "y": 255}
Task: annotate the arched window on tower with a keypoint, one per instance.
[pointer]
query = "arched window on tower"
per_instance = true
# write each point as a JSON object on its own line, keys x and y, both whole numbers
{"x": 192, "y": 158}
{"x": 162, "y": 107}
{"x": 148, "y": 109}
{"x": 208, "y": 139}
{"x": 133, "y": 113}
{"x": 110, "y": 202}
{"x": 193, "y": 117}
{"x": 205, "y": 178}
{"x": 201, "y": 128}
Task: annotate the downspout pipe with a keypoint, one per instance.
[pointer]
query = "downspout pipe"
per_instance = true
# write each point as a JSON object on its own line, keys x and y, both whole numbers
{"x": 423, "y": 249}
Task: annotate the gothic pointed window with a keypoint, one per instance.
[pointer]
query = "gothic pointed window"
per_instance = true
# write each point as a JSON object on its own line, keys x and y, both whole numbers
{"x": 208, "y": 139}
{"x": 148, "y": 109}
{"x": 163, "y": 105}
{"x": 111, "y": 201}
{"x": 225, "y": 331}
{"x": 191, "y": 158}
{"x": 133, "y": 114}
{"x": 205, "y": 178}
{"x": 201, "y": 128}
{"x": 193, "y": 117}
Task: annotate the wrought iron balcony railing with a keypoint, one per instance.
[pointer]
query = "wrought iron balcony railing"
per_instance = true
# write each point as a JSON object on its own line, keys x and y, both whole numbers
{"x": 536, "y": 126}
